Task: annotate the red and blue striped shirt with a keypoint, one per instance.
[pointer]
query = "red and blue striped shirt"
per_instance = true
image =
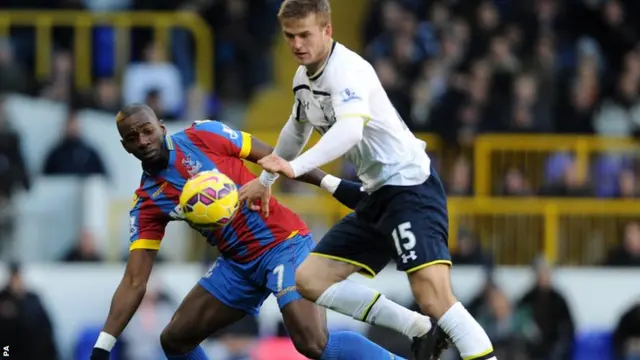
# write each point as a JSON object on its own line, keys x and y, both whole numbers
{"x": 208, "y": 145}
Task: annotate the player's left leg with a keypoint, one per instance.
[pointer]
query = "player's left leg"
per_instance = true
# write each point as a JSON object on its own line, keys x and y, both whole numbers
{"x": 306, "y": 321}
{"x": 416, "y": 221}
{"x": 223, "y": 296}
{"x": 353, "y": 246}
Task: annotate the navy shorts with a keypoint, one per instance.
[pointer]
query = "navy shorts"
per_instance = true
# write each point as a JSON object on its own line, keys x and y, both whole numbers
{"x": 247, "y": 286}
{"x": 409, "y": 224}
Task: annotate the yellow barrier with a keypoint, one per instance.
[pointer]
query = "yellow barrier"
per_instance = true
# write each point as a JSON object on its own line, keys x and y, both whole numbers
{"x": 570, "y": 232}
{"x": 83, "y": 22}
{"x": 494, "y": 154}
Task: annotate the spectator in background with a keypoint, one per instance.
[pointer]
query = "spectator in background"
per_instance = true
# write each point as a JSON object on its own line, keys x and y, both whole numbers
{"x": 72, "y": 155}
{"x": 627, "y": 253}
{"x": 155, "y": 72}
{"x": 60, "y": 85}
{"x": 84, "y": 250}
{"x": 13, "y": 175}
{"x": 496, "y": 315}
{"x": 142, "y": 333}
{"x": 394, "y": 85}
{"x": 154, "y": 101}
{"x": 236, "y": 341}
{"x": 545, "y": 319}
{"x": 569, "y": 184}
{"x": 24, "y": 323}
{"x": 107, "y": 96}
{"x": 459, "y": 183}
{"x": 620, "y": 114}
{"x": 14, "y": 78}
{"x": 628, "y": 184}
{"x": 469, "y": 250}
{"x": 515, "y": 184}
{"x": 626, "y": 336}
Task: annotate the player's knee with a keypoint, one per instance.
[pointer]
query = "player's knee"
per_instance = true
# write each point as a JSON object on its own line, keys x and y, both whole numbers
{"x": 315, "y": 275}
{"x": 310, "y": 342}
{"x": 171, "y": 341}
{"x": 308, "y": 284}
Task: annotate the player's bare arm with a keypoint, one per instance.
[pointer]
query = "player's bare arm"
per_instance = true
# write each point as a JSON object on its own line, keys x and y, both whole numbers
{"x": 127, "y": 297}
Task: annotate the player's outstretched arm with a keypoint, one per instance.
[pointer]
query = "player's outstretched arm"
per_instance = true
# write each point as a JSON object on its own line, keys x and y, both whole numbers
{"x": 126, "y": 300}
{"x": 349, "y": 193}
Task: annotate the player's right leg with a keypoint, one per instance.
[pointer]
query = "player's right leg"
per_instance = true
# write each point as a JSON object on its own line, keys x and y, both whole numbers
{"x": 415, "y": 220}
{"x": 352, "y": 246}
{"x": 221, "y": 298}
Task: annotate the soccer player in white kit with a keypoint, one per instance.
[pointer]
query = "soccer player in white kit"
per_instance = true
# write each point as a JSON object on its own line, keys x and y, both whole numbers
{"x": 403, "y": 215}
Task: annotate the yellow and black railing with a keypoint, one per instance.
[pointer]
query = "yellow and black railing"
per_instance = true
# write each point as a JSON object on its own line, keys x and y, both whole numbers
{"x": 83, "y": 22}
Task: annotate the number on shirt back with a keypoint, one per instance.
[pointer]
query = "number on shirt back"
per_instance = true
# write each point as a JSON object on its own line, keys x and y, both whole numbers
{"x": 405, "y": 241}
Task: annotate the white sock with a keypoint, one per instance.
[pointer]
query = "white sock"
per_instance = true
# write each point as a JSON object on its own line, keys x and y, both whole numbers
{"x": 465, "y": 332}
{"x": 365, "y": 304}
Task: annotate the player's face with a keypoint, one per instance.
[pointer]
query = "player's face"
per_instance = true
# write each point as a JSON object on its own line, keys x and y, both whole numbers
{"x": 308, "y": 38}
{"x": 143, "y": 137}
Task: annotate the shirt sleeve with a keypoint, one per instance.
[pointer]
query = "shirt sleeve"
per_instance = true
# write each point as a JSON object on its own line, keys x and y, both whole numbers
{"x": 222, "y": 139}
{"x": 349, "y": 95}
{"x": 147, "y": 224}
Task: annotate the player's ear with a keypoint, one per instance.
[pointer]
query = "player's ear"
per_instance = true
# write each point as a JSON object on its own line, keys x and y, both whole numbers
{"x": 328, "y": 30}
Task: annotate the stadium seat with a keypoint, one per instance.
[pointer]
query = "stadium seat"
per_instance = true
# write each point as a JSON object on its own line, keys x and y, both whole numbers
{"x": 276, "y": 348}
{"x": 595, "y": 345}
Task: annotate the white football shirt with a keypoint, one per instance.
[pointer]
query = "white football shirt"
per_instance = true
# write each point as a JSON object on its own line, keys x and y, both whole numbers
{"x": 348, "y": 86}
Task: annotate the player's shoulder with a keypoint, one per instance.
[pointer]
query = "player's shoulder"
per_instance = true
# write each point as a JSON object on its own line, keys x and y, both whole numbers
{"x": 300, "y": 77}
{"x": 213, "y": 127}
{"x": 345, "y": 61}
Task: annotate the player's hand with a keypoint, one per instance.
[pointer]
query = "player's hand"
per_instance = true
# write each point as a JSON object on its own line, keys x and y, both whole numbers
{"x": 253, "y": 191}
{"x": 99, "y": 354}
{"x": 277, "y": 165}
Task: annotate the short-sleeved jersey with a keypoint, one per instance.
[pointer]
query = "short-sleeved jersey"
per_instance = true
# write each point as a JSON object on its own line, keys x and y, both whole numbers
{"x": 389, "y": 153}
{"x": 208, "y": 145}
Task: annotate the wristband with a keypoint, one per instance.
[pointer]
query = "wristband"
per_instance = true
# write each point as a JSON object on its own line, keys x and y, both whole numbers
{"x": 330, "y": 183}
{"x": 105, "y": 341}
{"x": 267, "y": 179}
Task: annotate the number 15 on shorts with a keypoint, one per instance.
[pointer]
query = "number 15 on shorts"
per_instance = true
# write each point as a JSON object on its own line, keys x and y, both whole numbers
{"x": 405, "y": 242}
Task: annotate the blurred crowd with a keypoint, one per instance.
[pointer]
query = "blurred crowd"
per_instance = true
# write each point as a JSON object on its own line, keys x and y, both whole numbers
{"x": 463, "y": 68}
{"x": 162, "y": 77}
{"x": 537, "y": 325}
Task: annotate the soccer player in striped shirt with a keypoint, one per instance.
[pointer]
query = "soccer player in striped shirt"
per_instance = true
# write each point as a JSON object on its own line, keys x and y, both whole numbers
{"x": 259, "y": 255}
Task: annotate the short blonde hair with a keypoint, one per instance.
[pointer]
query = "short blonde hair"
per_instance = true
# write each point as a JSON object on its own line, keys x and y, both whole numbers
{"x": 300, "y": 9}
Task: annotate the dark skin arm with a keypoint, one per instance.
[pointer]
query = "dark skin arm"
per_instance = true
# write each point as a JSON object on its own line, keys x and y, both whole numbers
{"x": 131, "y": 290}
{"x": 348, "y": 192}
{"x": 260, "y": 149}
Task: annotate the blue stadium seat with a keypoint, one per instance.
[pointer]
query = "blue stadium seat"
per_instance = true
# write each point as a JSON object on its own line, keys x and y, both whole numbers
{"x": 85, "y": 341}
{"x": 595, "y": 345}
{"x": 104, "y": 48}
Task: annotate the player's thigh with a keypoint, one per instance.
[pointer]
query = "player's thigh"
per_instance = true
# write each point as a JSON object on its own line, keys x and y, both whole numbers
{"x": 416, "y": 222}
{"x": 230, "y": 283}
{"x": 278, "y": 267}
{"x": 350, "y": 246}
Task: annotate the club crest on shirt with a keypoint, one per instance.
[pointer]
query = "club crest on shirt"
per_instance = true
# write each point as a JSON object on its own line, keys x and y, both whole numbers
{"x": 193, "y": 166}
{"x": 349, "y": 95}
